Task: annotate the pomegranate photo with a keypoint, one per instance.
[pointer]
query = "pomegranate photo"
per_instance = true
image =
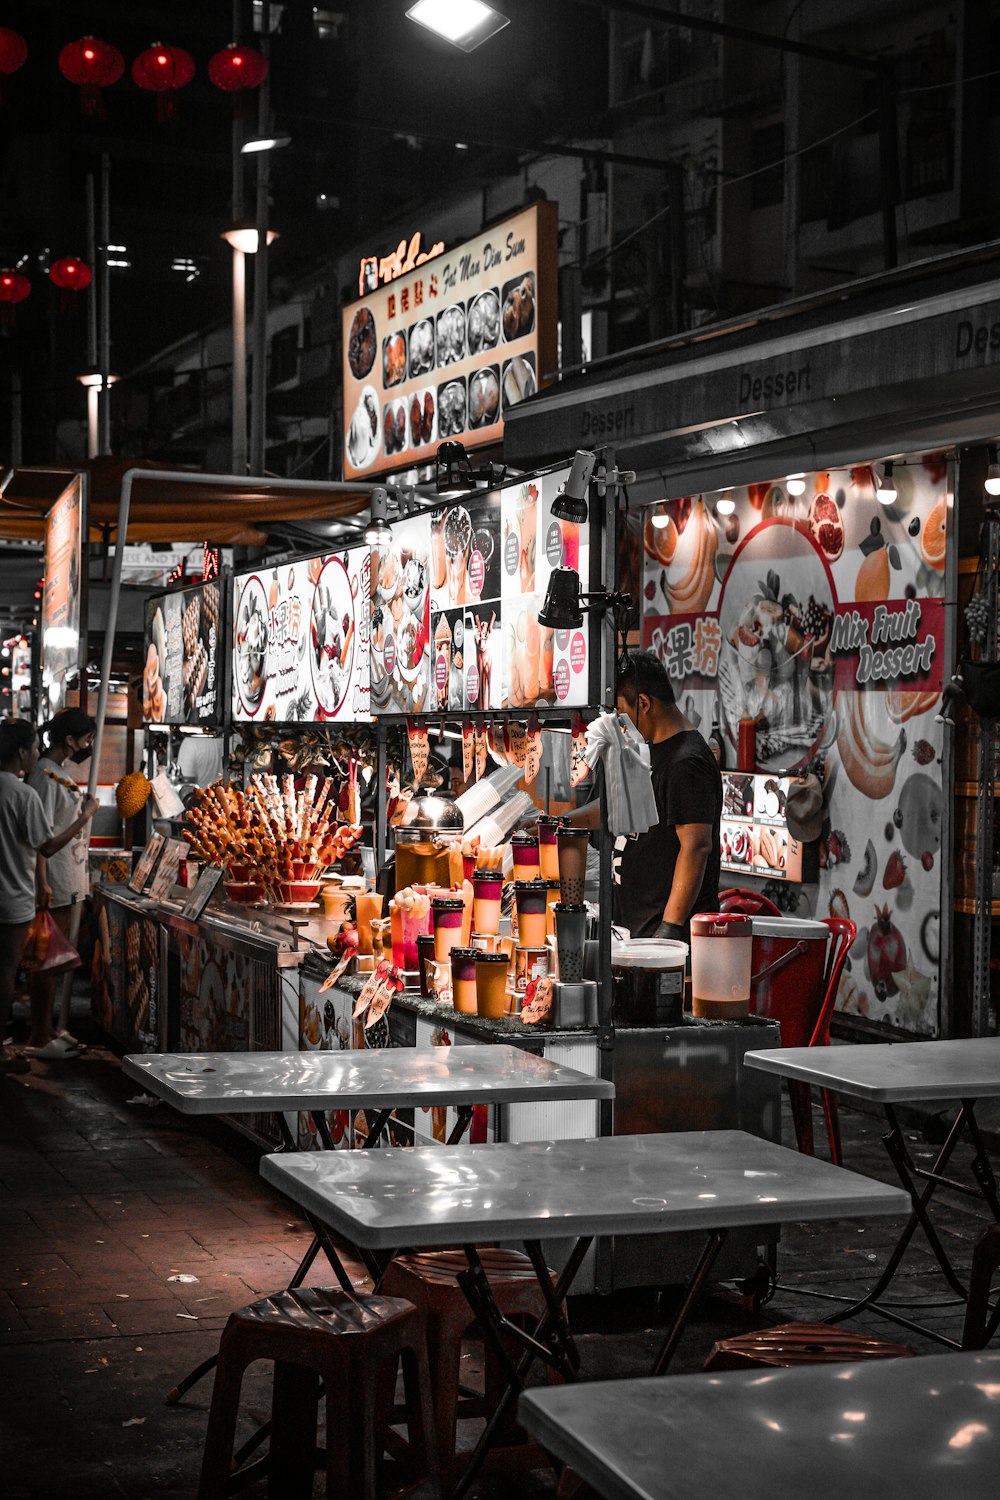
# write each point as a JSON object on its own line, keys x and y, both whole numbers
{"x": 826, "y": 527}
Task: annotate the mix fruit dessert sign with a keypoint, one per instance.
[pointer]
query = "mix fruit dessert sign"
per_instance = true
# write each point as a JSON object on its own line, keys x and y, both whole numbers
{"x": 820, "y": 616}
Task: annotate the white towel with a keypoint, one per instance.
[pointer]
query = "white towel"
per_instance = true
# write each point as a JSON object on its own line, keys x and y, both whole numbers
{"x": 613, "y": 740}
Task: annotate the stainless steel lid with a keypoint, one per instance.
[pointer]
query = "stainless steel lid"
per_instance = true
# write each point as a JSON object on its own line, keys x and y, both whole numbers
{"x": 432, "y": 812}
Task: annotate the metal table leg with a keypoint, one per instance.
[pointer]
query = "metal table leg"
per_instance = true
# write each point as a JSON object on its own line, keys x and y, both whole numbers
{"x": 910, "y": 1176}
{"x": 475, "y": 1285}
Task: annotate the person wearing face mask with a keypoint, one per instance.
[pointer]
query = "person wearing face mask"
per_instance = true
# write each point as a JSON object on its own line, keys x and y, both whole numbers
{"x": 25, "y": 832}
{"x": 665, "y": 875}
{"x": 62, "y": 881}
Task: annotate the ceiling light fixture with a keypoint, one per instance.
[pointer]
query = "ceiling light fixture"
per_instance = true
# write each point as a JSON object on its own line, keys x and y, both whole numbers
{"x": 464, "y": 23}
{"x": 660, "y": 518}
{"x": 725, "y": 505}
{"x": 796, "y": 484}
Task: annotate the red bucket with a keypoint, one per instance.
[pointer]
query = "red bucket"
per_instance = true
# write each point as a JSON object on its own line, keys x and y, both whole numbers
{"x": 789, "y": 956}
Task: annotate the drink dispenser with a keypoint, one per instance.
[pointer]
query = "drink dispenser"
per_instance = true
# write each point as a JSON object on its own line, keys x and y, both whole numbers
{"x": 721, "y": 964}
{"x": 429, "y": 843}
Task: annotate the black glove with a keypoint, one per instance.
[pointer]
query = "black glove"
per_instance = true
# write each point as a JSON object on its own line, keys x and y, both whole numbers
{"x": 670, "y": 930}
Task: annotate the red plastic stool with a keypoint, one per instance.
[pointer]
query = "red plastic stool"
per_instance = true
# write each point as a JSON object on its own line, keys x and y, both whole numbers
{"x": 353, "y": 1345}
{"x": 800, "y": 1344}
{"x": 429, "y": 1280}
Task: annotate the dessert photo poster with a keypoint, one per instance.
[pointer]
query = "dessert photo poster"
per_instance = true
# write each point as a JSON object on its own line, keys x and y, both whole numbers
{"x": 820, "y": 616}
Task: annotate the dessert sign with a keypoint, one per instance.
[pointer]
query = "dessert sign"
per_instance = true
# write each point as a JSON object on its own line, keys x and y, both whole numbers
{"x": 820, "y": 616}
{"x": 446, "y": 348}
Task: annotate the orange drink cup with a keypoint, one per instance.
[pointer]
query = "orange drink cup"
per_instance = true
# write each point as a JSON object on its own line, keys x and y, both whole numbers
{"x": 463, "y": 980}
{"x": 487, "y": 889}
{"x": 448, "y": 913}
{"x": 491, "y": 984}
{"x": 367, "y": 904}
{"x": 530, "y": 896}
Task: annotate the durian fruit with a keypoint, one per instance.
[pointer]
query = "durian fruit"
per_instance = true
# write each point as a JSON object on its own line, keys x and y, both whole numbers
{"x": 132, "y": 793}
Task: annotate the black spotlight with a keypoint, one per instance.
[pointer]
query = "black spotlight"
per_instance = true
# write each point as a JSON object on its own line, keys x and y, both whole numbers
{"x": 562, "y": 609}
{"x": 571, "y": 503}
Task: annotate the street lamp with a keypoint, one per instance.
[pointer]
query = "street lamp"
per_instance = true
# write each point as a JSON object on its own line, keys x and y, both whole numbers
{"x": 93, "y": 383}
{"x": 243, "y": 239}
{"x": 464, "y": 23}
{"x": 265, "y": 143}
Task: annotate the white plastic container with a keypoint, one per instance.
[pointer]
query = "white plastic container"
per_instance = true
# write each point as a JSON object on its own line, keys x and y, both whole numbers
{"x": 721, "y": 965}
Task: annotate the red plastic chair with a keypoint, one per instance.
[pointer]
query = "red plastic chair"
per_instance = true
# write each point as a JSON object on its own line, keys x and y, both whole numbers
{"x": 749, "y": 903}
{"x": 808, "y": 1025}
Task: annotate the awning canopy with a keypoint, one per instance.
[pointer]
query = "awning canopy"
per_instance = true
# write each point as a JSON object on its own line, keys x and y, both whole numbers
{"x": 175, "y": 510}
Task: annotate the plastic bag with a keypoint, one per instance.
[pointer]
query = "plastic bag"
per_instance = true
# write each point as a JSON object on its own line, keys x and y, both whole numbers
{"x": 46, "y": 950}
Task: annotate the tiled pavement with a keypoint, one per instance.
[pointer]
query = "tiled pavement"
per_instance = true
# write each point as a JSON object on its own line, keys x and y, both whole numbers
{"x": 103, "y": 1201}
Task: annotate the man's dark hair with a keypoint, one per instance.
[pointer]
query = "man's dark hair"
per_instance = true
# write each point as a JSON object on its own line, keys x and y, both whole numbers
{"x": 644, "y": 672}
{"x": 15, "y": 735}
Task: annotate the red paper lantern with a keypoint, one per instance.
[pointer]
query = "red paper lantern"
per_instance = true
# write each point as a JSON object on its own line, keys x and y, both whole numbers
{"x": 13, "y": 289}
{"x": 71, "y": 275}
{"x": 13, "y": 51}
{"x": 236, "y": 68}
{"x": 92, "y": 65}
{"x": 162, "y": 70}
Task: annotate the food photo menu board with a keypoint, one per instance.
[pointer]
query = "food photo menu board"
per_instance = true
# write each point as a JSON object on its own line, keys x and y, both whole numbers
{"x": 754, "y": 834}
{"x": 447, "y": 349}
{"x": 301, "y": 641}
{"x": 182, "y": 666}
{"x": 455, "y": 601}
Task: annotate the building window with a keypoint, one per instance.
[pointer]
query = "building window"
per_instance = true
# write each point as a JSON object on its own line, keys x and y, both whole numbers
{"x": 767, "y": 150}
{"x": 285, "y": 355}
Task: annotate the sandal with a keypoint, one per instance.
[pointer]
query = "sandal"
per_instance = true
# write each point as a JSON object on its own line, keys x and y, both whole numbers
{"x": 12, "y": 1062}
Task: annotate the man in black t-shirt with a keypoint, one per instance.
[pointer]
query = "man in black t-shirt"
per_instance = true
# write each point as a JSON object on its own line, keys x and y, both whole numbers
{"x": 662, "y": 876}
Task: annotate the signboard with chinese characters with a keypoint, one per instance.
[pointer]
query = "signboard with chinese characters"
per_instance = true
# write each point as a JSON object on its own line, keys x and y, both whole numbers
{"x": 61, "y": 597}
{"x": 379, "y": 270}
{"x": 446, "y": 349}
{"x": 182, "y": 667}
{"x": 301, "y": 640}
{"x": 820, "y": 616}
{"x": 455, "y": 601}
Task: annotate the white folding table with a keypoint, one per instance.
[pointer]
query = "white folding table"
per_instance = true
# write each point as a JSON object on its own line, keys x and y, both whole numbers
{"x": 927, "y": 1428}
{"x": 380, "y": 1080}
{"x": 899, "y": 1073}
{"x": 708, "y": 1181}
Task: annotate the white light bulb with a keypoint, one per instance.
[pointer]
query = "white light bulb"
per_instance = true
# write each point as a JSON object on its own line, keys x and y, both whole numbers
{"x": 886, "y": 491}
{"x": 725, "y": 505}
{"x": 796, "y": 484}
{"x": 660, "y": 520}
{"x": 992, "y": 485}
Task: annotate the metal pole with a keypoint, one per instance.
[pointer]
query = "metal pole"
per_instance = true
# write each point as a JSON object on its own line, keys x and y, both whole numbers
{"x": 124, "y": 504}
{"x": 239, "y": 381}
{"x": 92, "y": 299}
{"x": 104, "y": 339}
{"x": 15, "y": 417}
{"x": 982, "y": 1015}
{"x": 93, "y": 424}
{"x": 258, "y": 401}
{"x": 239, "y": 391}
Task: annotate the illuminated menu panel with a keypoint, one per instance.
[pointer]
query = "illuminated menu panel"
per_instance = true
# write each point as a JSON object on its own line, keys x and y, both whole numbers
{"x": 300, "y": 641}
{"x": 182, "y": 666}
{"x": 754, "y": 836}
{"x": 455, "y": 602}
{"x": 447, "y": 349}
